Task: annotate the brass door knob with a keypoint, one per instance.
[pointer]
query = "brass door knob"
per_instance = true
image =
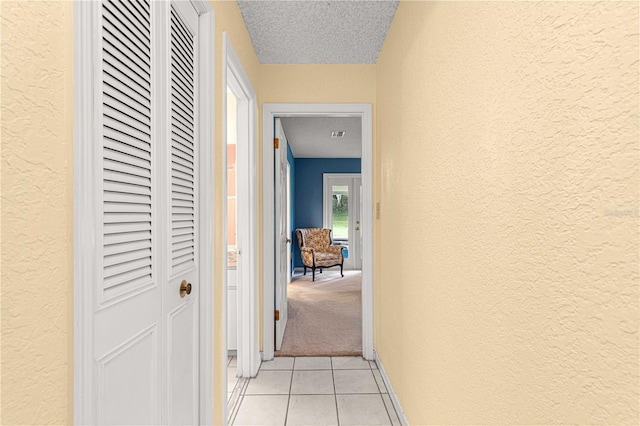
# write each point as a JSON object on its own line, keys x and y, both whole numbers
{"x": 288, "y": 240}
{"x": 185, "y": 288}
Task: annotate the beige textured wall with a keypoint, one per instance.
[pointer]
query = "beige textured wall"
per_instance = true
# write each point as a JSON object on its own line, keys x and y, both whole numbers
{"x": 37, "y": 212}
{"x": 510, "y": 168}
{"x": 229, "y": 20}
{"x": 318, "y": 84}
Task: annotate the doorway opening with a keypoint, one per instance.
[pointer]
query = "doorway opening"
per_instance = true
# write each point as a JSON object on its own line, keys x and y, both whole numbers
{"x": 240, "y": 317}
{"x": 273, "y": 279}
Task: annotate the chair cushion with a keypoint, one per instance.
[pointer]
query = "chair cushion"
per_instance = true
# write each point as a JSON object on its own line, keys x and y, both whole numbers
{"x": 327, "y": 259}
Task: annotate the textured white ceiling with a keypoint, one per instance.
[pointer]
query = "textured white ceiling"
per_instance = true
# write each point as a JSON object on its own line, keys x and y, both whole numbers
{"x": 317, "y": 32}
{"x": 310, "y": 137}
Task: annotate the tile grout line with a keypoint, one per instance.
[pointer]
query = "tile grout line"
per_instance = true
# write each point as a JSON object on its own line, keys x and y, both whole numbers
{"x": 234, "y": 412}
{"x": 349, "y": 369}
{"x": 232, "y": 400}
{"x": 393, "y": 407}
{"x": 286, "y": 414}
{"x": 374, "y": 379}
{"x": 315, "y": 394}
{"x": 231, "y": 405}
{"x": 388, "y": 396}
{"x": 384, "y": 404}
{"x": 236, "y": 409}
{"x": 316, "y": 369}
{"x": 243, "y": 387}
{"x": 335, "y": 392}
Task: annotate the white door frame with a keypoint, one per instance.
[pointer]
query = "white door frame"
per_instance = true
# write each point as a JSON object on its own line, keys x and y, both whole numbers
{"x": 86, "y": 125}
{"x": 288, "y": 213}
{"x": 248, "y": 350}
{"x": 354, "y": 249}
{"x": 269, "y": 112}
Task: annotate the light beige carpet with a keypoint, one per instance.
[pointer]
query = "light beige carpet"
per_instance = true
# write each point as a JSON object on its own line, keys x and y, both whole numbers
{"x": 325, "y": 316}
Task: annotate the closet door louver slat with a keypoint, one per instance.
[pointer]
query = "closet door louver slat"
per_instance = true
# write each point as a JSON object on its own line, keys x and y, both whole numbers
{"x": 182, "y": 145}
{"x": 127, "y": 154}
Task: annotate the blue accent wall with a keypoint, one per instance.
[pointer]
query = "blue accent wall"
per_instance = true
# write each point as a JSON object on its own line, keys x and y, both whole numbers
{"x": 308, "y": 191}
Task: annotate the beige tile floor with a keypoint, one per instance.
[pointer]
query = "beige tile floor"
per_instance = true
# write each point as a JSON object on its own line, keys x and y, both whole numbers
{"x": 311, "y": 391}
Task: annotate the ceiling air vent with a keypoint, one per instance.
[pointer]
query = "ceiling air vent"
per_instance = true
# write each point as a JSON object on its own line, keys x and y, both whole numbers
{"x": 338, "y": 134}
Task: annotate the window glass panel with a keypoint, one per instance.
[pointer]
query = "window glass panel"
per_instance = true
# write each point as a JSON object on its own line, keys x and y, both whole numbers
{"x": 340, "y": 225}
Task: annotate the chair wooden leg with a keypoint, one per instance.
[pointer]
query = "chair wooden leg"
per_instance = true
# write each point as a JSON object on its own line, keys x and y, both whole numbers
{"x": 313, "y": 271}
{"x": 305, "y": 270}
{"x": 341, "y": 274}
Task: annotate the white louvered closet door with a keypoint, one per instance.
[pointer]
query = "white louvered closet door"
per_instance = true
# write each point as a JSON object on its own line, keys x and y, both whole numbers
{"x": 127, "y": 320}
{"x": 145, "y": 335}
{"x": 181, "y": 314}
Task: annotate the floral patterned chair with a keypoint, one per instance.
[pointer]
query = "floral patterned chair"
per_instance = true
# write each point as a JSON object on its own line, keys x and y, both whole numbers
{"x": 317, "y": 251}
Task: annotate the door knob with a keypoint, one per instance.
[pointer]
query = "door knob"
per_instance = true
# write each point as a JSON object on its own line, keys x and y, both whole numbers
{"x": 185, "y": 288}
{"x": 288, "y": 240}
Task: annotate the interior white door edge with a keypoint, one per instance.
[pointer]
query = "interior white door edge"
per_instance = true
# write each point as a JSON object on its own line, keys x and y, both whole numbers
{"x": 282, "y": 236}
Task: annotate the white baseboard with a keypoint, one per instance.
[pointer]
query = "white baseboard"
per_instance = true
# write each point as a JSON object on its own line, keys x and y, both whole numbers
{"x": 392, "y": 394}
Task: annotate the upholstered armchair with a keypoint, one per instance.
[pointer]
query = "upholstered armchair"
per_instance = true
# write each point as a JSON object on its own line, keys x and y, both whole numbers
{"x": 317, "y": 251}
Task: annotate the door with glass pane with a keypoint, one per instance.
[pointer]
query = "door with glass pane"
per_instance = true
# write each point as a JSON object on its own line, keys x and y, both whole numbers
{"x": 342, "y": 206}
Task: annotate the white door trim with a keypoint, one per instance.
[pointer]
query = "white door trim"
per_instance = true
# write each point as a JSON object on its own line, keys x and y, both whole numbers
{"x": 85, "y": 124}
{"x": 207, "y": 215}
{"x": 86, "y": 127}
{"x": 248, "y": 338}
{"x": 269, "y": 112}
